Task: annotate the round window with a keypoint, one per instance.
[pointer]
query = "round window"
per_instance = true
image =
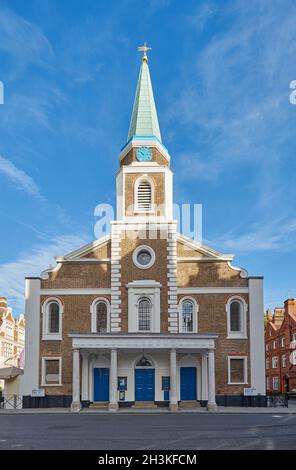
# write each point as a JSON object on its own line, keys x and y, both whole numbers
{"x": 144, "y": 257}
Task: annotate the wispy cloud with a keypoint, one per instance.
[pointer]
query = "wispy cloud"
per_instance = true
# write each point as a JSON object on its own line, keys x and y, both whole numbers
{"x": 12, "y": 274}
{"x": 19, "y": 178}
{"x": 23, "y": 40}
{"x": 202, "y": 15}
{"x": 276, "y": 235}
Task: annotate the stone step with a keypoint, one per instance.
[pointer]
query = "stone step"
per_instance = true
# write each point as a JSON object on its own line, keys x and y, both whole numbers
{"x": 189, "y": 404}
{"x": 144, "y": 404}
{"x": 99, "y": 404}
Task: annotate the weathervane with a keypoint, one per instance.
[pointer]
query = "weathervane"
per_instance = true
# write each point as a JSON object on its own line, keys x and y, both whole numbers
{"x": 144, "y": 49}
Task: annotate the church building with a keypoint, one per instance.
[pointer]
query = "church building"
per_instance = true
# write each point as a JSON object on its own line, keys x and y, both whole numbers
{"x": 143, "y": 317}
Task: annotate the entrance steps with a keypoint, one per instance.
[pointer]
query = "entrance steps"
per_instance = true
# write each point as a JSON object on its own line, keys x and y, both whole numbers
{"x": 189, "y": 404}
{"x": 99, "y": 405}
{"x": 147, "y": 405}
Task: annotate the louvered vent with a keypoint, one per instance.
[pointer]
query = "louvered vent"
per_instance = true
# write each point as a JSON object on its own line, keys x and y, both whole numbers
{"x": 144, "y": 197}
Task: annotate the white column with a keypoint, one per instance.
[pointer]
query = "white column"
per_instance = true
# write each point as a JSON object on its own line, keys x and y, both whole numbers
{"x": 204, "y": 377}
{"x": 76, "y": 405}
{"x": 113, "y": 403}
{"x": 211, "y": 381}
{"x": 84, "y": 384}
{"x": 173, "y": 380}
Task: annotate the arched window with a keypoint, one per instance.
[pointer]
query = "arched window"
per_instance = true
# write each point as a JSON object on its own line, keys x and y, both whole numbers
{"x": 236, "y": 309}
{"x": 143, "y": 196}
{"x": 52, "y": 310}
{"x": 144, "y": 315}
{"x": 101, "y": 311}
{"x": 100, "y": 316}
{"x": 188, "y": 309}
{"x": 53, "y": 317}
{"x": 235, "y": 316}
{"x": 187, "y": 316}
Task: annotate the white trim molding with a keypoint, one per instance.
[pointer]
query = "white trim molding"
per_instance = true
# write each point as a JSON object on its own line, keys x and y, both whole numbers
{"x": 195, "y": 314}
{"x": 78, "y": 291}
{"x": 245, "y": 359}
{"x": 212, "y": 290}
{"x": 46, "y": 335}
{"x": 242, "y": 334}
{"x": 43, "y": 373}
{"x": 93, "y": 311}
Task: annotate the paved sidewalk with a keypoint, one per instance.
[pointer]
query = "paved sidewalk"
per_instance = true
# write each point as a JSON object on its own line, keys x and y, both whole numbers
{"x": 221, "y": 410}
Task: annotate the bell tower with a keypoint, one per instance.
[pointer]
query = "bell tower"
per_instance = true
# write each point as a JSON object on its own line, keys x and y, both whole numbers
{"x": 144, "y": 180}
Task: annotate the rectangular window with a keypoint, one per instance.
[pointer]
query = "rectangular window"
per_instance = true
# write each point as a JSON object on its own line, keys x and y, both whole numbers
{"x": 267, "y": 363}
{"x": 51, "y": 371}
{"x": 274, "y": 362}
{"x": 294, "y": 337}
{"x": 237, "y": 370}
{"x": 284, "y": 360}
{"x": 283, "y": 342}
{"x": 275, "y": 383}
{"x": 274, "y": 344}
{"x": 266, "y": 347}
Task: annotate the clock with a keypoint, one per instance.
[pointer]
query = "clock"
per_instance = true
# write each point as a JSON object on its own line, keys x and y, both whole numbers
{"x": 144, "y": 154}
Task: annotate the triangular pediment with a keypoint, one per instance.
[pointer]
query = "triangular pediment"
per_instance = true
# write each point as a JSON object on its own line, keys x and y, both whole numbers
{"x": 192, "y": 248}
{"x": 94, "y": 250}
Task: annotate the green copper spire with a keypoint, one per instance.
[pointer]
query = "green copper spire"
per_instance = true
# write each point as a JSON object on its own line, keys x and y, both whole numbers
{"x": 144, "y": 121}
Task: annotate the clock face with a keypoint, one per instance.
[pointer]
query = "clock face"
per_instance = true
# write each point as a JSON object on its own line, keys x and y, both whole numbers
{"x": 144, "y": 154}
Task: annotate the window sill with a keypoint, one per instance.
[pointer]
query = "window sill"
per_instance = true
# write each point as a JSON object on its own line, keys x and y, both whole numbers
{"x": 237, "y": 383}
{"x": 52, "y": 338}
{"x": 236, "y": 337}
{"x": 51, "y": 385}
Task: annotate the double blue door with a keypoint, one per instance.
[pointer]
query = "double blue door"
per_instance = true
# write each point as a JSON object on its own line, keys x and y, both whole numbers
{"x": 188, "y": 383}
{"x": 101, "y": 384}
{"x": 144, "y": 384}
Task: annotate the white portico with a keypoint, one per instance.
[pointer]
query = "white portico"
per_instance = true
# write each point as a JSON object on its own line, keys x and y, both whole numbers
{"x": 166, "y": 358}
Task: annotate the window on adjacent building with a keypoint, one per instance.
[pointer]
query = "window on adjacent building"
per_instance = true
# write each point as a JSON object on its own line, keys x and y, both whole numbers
{"x": 51, "y": 371}
{"x": 237, "y": 370}
{"x": 236, "y": 318}
{"x": 144, "y": 314}
{"x": 274, "y": 344}
{"x": 294, "y": 337}
{"x": 144, "y": 196}
{"x": 101, "y": 313}
{"x": 267, "y": 383}
{"x": 275, "y": 362}
{"x": 275, "y": 383}
{"x": 284, "y": 360}
{"x": 283, "y": 342}
{"x": 266, "y": 347}
{"x": 267, "y": 363}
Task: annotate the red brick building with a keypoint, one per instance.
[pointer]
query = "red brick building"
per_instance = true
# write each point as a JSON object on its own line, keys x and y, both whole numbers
{"x": 280, "y": 348}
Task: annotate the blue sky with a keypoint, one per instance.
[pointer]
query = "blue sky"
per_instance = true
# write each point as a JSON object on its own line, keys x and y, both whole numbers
{"x": 221, "y": 73}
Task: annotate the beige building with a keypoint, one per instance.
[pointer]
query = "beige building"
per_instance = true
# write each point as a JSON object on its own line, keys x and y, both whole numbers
{"x": 145, "y": 314}
{"x": 12, "y": 337}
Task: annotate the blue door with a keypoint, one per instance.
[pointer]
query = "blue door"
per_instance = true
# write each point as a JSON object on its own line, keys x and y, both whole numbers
{"x": 101, "y": 384}
{"x": 188, "y": 383}
{"x": 144, "y": 384}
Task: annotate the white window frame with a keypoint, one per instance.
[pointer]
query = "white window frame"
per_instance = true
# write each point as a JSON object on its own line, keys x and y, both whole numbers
{"x": 266, "y": 347}
{"x": 284, "y": 360}
{"x": 275, "y": 344}
{"x": 245, "y": 370}
{"x": 46, "y": 335}
{"x": 148, "y": 299}
{"x": 141, "y": 179}
{"x": 283, "y": 342}
{"x": 43, "y": 373}
{"x": 93, "y": 311}
{"x": 244, "y": 310}
{"x": 195, "y": 314}
{"x": 275, "y": 362}
{"x": 275, "y": 379}
{"x": 137, "y": 251}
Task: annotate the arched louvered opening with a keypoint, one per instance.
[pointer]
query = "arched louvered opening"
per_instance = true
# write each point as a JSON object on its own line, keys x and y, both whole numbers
{"x": 144, "y": 196}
